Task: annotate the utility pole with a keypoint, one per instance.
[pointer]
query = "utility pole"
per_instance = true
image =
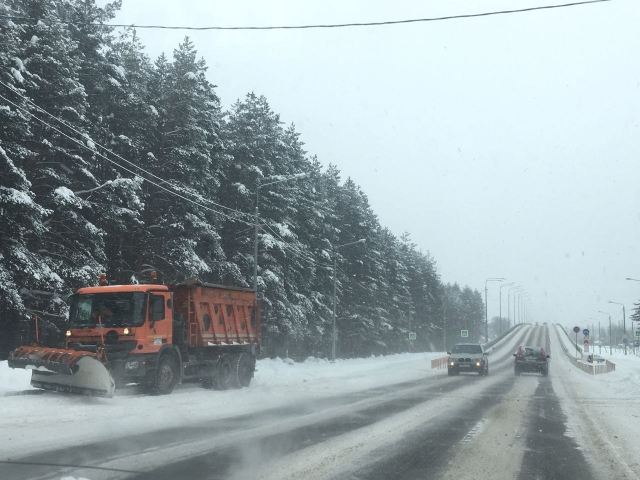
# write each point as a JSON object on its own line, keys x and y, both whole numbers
{"x": 256, "y": 217}
{"x": 486, "y": 307}
{"x": 335, "y": 293}
{"x": 624, "y": 324}
{"x": 501, "y": 286}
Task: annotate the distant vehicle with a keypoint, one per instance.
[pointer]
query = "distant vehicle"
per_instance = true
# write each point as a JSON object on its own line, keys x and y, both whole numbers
{"x": 531, "y": 359}
{"x": 468, "y": 357}
{"x": 545, "y": 324}
{"x": 536, "y": 324}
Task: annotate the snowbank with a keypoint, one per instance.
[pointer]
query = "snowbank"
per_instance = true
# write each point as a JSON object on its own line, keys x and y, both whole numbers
{"x": 602, "y": 407}
{"x": 32, "y": 420}
{"x": 13, "y": 380}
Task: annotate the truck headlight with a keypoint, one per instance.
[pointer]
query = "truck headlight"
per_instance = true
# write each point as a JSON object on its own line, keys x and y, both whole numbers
{"x": 68, "y": 333}
{"x": 132, "y": 365}
{"x": 477, "y": 364}
{"x": 125, "y": 331}
{"x": 452, "y": 363}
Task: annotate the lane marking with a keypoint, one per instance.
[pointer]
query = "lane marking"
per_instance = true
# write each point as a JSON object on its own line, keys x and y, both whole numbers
{"x": 477, "y": 428}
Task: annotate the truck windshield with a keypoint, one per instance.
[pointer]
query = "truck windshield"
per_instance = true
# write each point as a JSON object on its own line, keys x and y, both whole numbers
{"x": 113, "y": 309}
{"x": 467, "y": 349}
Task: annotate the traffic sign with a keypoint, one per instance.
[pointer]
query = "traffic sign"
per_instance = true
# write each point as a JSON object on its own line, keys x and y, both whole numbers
{"x": 464, "y": 333}
{"x": 637, "y": 333}
{"x": 586, "y": 341}
{"x": 412, "y": 335}
{"x": 576, "y": 329}
{"x": 637, "y": 343}
{"x": 624, "y": 340}
{"x": 585, "y": 332}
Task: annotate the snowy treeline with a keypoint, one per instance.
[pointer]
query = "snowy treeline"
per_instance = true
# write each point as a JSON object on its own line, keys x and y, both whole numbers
{"x": 110, "y": 161}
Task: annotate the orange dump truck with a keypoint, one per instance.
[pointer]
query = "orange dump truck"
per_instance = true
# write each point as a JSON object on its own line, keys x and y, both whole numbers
{"x": 152, "y": 335}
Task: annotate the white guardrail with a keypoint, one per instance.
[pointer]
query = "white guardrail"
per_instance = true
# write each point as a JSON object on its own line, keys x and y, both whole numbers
{"x": 589, "y": 367}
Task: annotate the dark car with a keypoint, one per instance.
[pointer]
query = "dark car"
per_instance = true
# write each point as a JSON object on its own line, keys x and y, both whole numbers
{"x": 468, "y": 357}
{"x": 531, "y": 359}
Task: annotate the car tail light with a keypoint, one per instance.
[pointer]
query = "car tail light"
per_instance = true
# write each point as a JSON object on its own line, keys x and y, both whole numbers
{"x": 544, "y": 355}
{"x": 518, "y": 352}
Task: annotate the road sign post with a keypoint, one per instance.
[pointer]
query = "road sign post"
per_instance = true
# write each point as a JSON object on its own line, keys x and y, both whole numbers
{"x": 576, "y": 330}
{"x": 464, "y": 333}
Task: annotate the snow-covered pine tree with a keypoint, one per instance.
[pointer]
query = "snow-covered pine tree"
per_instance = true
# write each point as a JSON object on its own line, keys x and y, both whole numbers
{"x": 50, "y": 73}
{"x": 184, "y": 151}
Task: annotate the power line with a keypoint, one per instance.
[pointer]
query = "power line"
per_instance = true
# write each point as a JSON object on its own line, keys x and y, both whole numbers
{"x": 319, "y": 26}
{"x": 117, "y": 164}
{"x": 286, "y": 245}
{"x": 296, "y": 251}
{"x": 14, "y": 90}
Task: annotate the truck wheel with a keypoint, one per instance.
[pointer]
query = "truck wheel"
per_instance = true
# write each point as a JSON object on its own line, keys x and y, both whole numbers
{"x": 165, "y": 376}
{"x": 486, "y": 371}
{"x": 242, "y": 366}
{"x": 516, "y": 371}
{"x": 450, "y": 372}
{"x": 225, "y": 372}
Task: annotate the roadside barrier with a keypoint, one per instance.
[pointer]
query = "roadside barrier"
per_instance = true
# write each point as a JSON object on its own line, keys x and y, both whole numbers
{"x": 439, "y": 362}
{"x": 590, "y": 368}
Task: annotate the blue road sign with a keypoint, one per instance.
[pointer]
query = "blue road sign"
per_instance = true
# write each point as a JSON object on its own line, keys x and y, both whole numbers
{"x": 585, "y": 332}
{"x": 624, "y": 340}
{"x": 637, "y": 343}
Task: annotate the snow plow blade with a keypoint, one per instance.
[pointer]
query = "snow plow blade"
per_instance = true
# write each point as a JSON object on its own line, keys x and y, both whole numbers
{"x": 63, "y": 370}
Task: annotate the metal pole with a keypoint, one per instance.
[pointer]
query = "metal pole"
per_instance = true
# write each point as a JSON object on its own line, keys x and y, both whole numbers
{"x": 599, "y": 338}
{"x": 508, "y": 308}
{"x": 500, "y": 315}
{"x": 486, "y": 314}
{"x": 255, "y": 244}
{"x": 335, "y": 290}
{"x": 624, "y": 329}
{"x": 444, "y": 320}
{"x": 610, "y": 337}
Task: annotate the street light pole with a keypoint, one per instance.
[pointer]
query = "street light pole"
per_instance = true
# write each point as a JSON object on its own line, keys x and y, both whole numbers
{"x": 501, "y": 286}
{"x": 486, "y": 306}
{"x": 516, "y": 314}
{"x": 624, "y": 324}
{"x": 610, "y": 334}
{"x": 509, "y": 304}
{"x": 335, "y": 292}
{"x": 632, "y": 329}
{"x": 256, "y": 218}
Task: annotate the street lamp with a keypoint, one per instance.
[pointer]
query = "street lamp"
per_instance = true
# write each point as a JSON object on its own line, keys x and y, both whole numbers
{"x": 509, "y": 304}
{"x": 486, "y": 306}
{"x": 632, "y": 329}
{"x": 624, "y": 324}
{"x": 270, "y": 181}
{"x": 516, "y": 314}
{"x": 610, "y": 334}
{"x": 599, "y": 334}
{"x": 335, "y": 292}
{"x": 525, "y": 297}
{"x": 503, "y": 285}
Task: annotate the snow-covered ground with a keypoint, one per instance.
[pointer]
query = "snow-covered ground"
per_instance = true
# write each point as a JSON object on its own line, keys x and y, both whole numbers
{"x": 603, "y": 410}
{"x": 28, "y": 422}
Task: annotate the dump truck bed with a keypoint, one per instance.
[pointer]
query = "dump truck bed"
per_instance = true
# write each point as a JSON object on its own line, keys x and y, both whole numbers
{"x": 213, "y": 315}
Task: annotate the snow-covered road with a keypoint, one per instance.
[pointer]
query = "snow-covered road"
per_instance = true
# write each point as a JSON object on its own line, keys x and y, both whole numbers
{"x": 377, "y": 418}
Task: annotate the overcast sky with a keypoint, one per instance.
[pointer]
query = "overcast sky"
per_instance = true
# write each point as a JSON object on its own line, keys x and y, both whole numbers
{"x": 507, "y": 146}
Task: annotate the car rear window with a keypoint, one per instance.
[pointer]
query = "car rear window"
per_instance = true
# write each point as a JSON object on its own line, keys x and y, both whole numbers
{"x": 531, "y": 351}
